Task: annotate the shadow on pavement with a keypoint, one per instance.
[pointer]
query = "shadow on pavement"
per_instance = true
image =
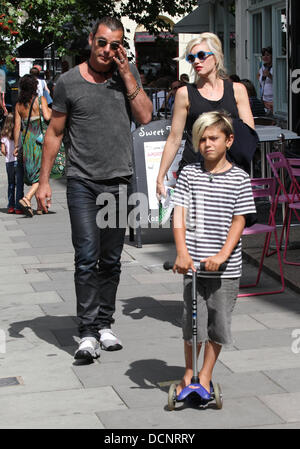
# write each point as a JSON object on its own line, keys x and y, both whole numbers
{"x": 157, "y": 372}
{"x": 146, "y": 306}
{"x": 54, "y": 330}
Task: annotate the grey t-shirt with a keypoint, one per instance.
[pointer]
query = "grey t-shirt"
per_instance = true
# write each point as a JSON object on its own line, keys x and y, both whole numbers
{"x": 98, "y": 125}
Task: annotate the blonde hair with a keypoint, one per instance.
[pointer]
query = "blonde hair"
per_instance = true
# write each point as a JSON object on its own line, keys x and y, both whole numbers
{"x": 214, "y": 118}
{"x": 214, "y": 45}
{"x": 8, "y": 127}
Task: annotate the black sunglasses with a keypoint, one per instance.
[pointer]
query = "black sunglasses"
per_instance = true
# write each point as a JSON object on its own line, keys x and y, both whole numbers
{"x": 101, "y": 42}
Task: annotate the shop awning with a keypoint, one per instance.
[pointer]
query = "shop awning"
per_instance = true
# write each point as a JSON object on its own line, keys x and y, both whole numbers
{"x": 208, "y": 16}
{"x": 195, "y": 22}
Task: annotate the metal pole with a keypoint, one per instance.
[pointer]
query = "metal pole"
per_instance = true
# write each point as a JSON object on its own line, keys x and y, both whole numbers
{"x": 195, "y": 378}
{"x": 283, "y": 205}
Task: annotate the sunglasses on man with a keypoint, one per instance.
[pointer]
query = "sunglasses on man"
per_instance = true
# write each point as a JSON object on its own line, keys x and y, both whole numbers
{"x": 201, "y": 55}
{"x": 101, "y": 42}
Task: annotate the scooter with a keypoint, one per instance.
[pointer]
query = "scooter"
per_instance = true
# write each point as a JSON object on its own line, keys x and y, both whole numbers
{"x": 195, "y": 388}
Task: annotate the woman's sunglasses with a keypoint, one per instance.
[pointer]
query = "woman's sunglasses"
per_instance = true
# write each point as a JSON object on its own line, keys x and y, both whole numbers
{"x": 201, "y": 55}
{"x": 103, "y": 42}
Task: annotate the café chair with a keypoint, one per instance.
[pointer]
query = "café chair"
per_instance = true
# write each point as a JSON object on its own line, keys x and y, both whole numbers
{"x": 264, "y": 188}
{"x": 288, "y": 191}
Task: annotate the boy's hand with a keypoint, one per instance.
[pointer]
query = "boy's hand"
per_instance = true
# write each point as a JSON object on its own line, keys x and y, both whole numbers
{"x": 183, "y": 263}
{"x": 213, "y": 263}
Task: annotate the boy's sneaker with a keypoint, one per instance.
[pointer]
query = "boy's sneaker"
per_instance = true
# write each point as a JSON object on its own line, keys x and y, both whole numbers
{"x": 166, "y": 206}
{"x": 109, "y": 340}
{"x": 89, "y": 349}
{"x": 18, "y": 212}
{"x": 11, "y": 210}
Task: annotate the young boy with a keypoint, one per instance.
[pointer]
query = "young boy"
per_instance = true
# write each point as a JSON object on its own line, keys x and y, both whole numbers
{"x": 211, "y": 200}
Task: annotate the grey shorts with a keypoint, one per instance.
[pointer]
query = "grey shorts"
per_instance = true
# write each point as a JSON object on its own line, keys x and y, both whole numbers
{"x": 216, "y": 299}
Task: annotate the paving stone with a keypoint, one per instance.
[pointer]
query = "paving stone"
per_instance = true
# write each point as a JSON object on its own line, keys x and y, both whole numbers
{"x": 62, "y": 421}
{"x": 49, "y": 370}
{"x": 8, "y": 253}
{"x": 241, "y": 385}
{"x": 6, "y": 289}
{"x": 18, "y": 260}
{"x": 60, "y": 308}
{"x": 278, "y": 320}
{"x": 260, "y": 359}
{"x": 288, "y": 379}
{"x": 53, "y": 250}
{"x": 284, "y": 426}
{"x": 237, "y": 413}
{"x": 136, "y": 291}
{"x": 53, "y": 404}
{"x": 23, "y": 278}
{"x": 156, "y": 278}
{"x": 53, "y": 285}
{"x": 13, "y": 300}
{"x": 285, "y": 405}
{"x": 262, "y": 338}
{"x": 15, "y": 246}
{"x": 245, "y": 323}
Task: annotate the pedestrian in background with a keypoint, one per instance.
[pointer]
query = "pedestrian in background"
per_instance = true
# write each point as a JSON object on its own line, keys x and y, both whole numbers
{"x": 14, "y": 170}
{"x": 96, "y": 100}
{"x": 257, "y": 106}
{"x": 42, "y": 89}
{"x": 28, "y": 112}
{"x": 265, "y": 77}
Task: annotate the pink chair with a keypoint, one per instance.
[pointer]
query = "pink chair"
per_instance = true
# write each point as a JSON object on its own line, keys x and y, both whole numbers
{"x": 295, "y": 168}
{"x": 290, "y": 196}
{"x": 264, "y": 187}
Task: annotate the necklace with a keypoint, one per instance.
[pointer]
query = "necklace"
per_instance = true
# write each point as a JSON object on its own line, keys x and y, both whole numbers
{"x": 211, "y": 174}
{"x": 99, "y": 72}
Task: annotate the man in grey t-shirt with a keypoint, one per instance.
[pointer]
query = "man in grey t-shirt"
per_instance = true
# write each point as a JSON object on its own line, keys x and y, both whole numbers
{"x": 95, "y": 102}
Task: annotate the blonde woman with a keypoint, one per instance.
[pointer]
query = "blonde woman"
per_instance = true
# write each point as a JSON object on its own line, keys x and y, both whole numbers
{"x": 212, "y": 90}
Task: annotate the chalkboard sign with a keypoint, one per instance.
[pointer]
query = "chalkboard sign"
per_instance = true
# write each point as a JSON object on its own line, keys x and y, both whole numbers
{"x": 148, "y": 144}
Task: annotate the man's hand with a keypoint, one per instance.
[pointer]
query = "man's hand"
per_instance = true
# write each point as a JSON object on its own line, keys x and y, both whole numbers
{"x": 43, "y": 197}
{"x": 122, "y": 61}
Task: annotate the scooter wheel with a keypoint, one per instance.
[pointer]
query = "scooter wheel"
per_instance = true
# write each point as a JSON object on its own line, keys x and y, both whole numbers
{"x": 172, "y": 397}
{"x": 218, "y": 395}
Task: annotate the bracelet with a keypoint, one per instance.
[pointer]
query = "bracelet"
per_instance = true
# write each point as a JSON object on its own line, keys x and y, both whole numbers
{"x": 134, "y": 93}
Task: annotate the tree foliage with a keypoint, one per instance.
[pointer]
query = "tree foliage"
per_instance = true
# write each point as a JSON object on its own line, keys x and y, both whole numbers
{"x": 63, "y": 21}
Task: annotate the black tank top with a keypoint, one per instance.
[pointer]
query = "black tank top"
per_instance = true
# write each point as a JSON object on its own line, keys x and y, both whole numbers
{"x": 198, "y": 105}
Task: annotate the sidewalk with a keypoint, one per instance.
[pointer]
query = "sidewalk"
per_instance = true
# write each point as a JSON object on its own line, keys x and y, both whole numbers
{"x": 42, "y": 387}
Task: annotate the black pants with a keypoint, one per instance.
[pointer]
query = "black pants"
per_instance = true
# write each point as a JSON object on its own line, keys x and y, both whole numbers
{"x": 97, "y": 249}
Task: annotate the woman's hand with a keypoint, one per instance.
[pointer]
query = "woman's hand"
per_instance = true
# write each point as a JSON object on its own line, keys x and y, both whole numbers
{"x": 160, "y": 189}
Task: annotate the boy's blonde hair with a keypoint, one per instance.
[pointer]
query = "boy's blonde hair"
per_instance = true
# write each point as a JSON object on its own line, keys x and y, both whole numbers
{"x": 214, "y": 118}
{"x": 214, "y": 45}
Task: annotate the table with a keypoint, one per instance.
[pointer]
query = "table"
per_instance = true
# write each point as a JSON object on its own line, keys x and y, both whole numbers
{"x": 267, "y": 135}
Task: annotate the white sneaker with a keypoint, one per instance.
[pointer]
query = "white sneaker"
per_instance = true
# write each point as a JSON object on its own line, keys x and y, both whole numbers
{"x": 166, "y": 206}
{"x": 89, "y": 349}
{"x": 109, "y": 340}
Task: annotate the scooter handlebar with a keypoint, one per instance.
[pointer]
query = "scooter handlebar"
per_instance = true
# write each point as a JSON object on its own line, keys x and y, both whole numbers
{"x": 168, "y": 266}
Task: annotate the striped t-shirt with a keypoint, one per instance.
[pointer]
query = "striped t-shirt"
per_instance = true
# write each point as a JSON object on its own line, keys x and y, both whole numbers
{"x": 211, "y": 204}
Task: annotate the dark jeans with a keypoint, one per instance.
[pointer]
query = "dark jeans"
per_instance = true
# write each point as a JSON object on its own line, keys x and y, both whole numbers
{"x": 15, "y": 181}
{"x": 97, "y": 250}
